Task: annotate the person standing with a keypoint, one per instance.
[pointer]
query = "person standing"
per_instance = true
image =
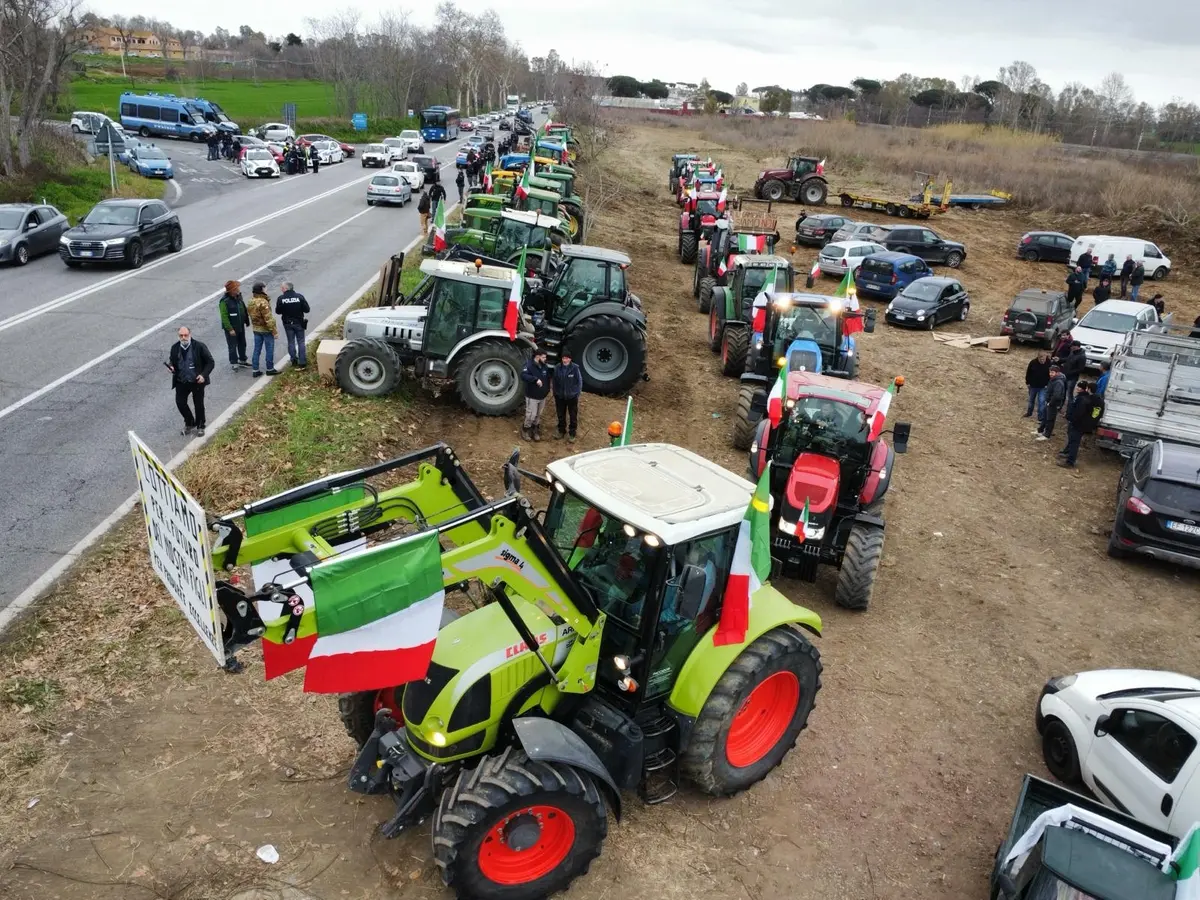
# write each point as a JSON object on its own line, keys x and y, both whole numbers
{"x": 437, "y": 194}
{"x": 423, "y": 209}
{"x": 536, "y": 376}
{"x": 263, "y": 323}
{"x": 1076, "y": 282}
{"x": 460, "y": 182}
{"x": 1085, "y": 419}
{"x": 1072, "y": 367}
{"x": 1126, "y": 274}
{"x": 1037, "y": 376}
{"x": 1085, "y": 263}
{"x": 191, "y": 368}
{"x": 568, "y": 385}
{"x": 1056, "y": 396}
{"x": 1109, "y": 269}
{"x": 1136, "y": 277}
{"x": 1102, "y": 382}
{"x": 316, "y": 160}
{"x": 214, "y": 147}
{"x": 293, "y": 309}
{"x": 1102, "y": 291}
{"x": 234, "y": 317}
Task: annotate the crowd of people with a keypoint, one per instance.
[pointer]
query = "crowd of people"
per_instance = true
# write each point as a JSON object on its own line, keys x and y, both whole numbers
{"x": 297, "y": 158}
{"x": 1130, "y": 277}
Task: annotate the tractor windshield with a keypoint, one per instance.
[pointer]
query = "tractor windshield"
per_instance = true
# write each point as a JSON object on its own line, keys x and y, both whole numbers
{"x": 822, "y": 425}
{"x": 753, "y": 281}
{"x": 706, "y": 207}
{"x": 817, "y": 324}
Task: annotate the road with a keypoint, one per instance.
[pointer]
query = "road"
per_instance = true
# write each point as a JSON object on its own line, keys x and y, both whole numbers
{"x": 82, "y": 350}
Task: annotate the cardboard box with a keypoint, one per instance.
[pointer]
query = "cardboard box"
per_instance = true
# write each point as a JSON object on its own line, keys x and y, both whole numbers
{"x": 327, "y": 353}
{"x": 999, "y": 344}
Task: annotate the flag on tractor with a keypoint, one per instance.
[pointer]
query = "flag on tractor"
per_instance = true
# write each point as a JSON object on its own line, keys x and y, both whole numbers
{"x": 522, "y": 190}
{"x": 723, "y": 265}
{"x": 721, "y": 201}
{"x": 279, "y": 657}
{"x": 880, "y": 415}
{"x": 846, "y": 286}
{"x": 487, "y": 178}
{"x": 802, "y": 525}
{"x": 758, "y": 317}
{"x": 512, "y": 312}
{"x": 752, "y": 243}
{"x": 821, "y": 167}
{"x": 751, "y": 565}
{"x": 377, "y": 616}
{"x": 1184, "y": 866}
{"x": 439, "y": 227}
{"x": 778, "y": 395}
{"x": 626, "y": 425}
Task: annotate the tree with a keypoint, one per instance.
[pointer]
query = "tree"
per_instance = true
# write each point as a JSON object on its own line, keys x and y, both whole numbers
{"x": 293, "y": 40}
{"x": 624, "y": 86}
{"x": 721, "y": 97}
{"x": 655, "y": 90}
{"x": 741, "y": 89}
{"x": 867, "y": 88}
{"x": 125, "y": 27}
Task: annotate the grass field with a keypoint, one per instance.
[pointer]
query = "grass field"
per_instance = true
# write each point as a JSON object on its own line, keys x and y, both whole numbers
{"x": 242, "y": 100}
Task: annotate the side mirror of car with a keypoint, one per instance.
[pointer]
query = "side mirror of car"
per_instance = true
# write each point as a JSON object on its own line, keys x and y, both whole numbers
{"x": 29, "y": 226}
{"x": 691, "y": 592}
{"x": 1074, "y": 321}
{"x": 1102, "y": 725}
{"x": 900, "y": 435}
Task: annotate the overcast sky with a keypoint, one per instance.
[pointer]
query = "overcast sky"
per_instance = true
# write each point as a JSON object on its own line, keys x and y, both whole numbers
{"x": 759, "y": 43}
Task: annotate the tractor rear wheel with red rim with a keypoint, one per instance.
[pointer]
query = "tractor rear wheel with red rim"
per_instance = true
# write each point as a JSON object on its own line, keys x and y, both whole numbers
{"x": 357, "y": 711}
{"x": 754, "y": 714}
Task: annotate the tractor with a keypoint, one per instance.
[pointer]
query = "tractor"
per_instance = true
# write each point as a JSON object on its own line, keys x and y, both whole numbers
{"x": 802, "y": 331}
{"x": 547, "y": 203}
{"x": 505, "y": 233}
{"x": 830, "y": 472}
{"x": 699, "y": 181}
{"x": 587, "y": 667}
{"x": 803, "y": 181}
{"x": 747, "y": 232}
{"x": 730, "y": 317}
{"x": 697, "y": 221}
{"x": 677, "y": 161}
{"x": 556, "y": 183}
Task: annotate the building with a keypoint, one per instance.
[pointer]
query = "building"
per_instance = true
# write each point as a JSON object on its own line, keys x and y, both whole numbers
{"x": 140, "y": 43}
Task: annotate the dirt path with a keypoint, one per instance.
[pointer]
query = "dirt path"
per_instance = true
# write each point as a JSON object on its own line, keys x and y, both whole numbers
{"x": 994, "y": 578}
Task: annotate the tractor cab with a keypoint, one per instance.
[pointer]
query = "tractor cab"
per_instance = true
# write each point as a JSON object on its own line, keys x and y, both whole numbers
{"x": 805, "y": 165}
{"x": 746, "y": 231}
{"x": 730, "y": 315}
{"x": 701, "y": 210}
{"x": 505, "y": 233}
{"x": 677, "y": 163}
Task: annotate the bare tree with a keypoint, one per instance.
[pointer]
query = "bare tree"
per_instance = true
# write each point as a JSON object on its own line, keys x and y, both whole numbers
{"x": 125, "y": 27}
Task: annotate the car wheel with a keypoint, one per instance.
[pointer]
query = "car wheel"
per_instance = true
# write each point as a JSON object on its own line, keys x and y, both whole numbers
{"x": 176, "y": 243}
{"x": 1059, "y": 753}
{"x": 370, "y": 202}
{"x": 963, "y": 311}
{"x": 134, "y": 256}
{"x": 144, "y": 131}
{"x": 1114, "y": 549}
{"x": 1160, "y": 273}
{"x": 954, "y": 259}
{"x": 1032, "y": 255}
{"x": 20, "y": 255}
{"x": 75, "y": 128}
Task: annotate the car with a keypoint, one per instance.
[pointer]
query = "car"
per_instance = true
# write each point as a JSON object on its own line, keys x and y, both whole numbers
{"x": 413, "y": 140}
{"x": 28, "y": 230}
{"x": 840, "y": 257}
{"x": 258, "y": 162}
{"x": 151, "y": 162}
{"x": 460, "y": 158}
{"x": 121, "y": 231}
{"x": 1130, "y": 736}
{"x": 929, "y": 301}
{"x": 884, "y": 275}
{"x": 1104, "y": 327}
{"x": 476, "y": 141}
{"x": 410, "y": 172}
{"x": 88, "y": 122}
{"x": 279, "y": 151}
{"x": 245, "y": 142}
{"x": 1045, "y": 246}
{"x": 398, "y": 148}
{"x": 505, "y": 125}
{"x": 1157, "y": 264}
{"x": 276, "y": 131}
{"x": 927, "y": 244}
{"x": 328, "y": 152}
{"x": 347, "y": 149}
{"x": 861, "y": 231}
{"x": 387, "y": 188}
{"x": 430, "y": 166}
{"x": 487, "y": 133}
{"x": 1158, "y": 505}
{"x": 466, "y": 125}
{"x": 818, "y": 229}
{"x": 545, "y": 109}
{"x": 121, "y": 141}
{"x": 1038, "y": 316}
{"x": 378, "y": 156}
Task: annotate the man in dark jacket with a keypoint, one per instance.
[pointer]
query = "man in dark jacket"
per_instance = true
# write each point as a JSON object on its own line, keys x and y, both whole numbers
{"x": 568, "y": 385}
{"x": 1136, "y": 277}
{"x": 1056, "y": 396}
{"x": 423, "y": 207}
{"x": 234, "y": 318}
{"x": 214, "y": 146}
{"x": 191, "y": 368}
{"x": 1159, "y": 304}
{"x": 1126, "y": 272}
{"x": 1102, "y": 291}
{"x": 1073, "y": 365}
{"x": 1037, "y": 376}
{"x": 1061, "y": 348}
{"x": 1076, "y": 282}
{"x": 536, "y": 377}
{"x": 1085, "y": 419}
{"x": 437, "y": 193}
{"x": 1085, "y": 262}
{"x": 293, "y": 309}
{"x": 460, "y": 182}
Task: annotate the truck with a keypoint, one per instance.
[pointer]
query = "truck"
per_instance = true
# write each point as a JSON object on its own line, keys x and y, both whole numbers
{"x": 1153, "y": 391}
{"x": 512, "y": 103}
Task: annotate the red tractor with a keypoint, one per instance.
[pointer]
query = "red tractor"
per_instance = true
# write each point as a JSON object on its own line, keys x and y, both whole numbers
{"x": 697, "y": 221}
{"x": 830, "y": 471}
{"x": 803, "y": 181}
{"x": 748, "y": 231}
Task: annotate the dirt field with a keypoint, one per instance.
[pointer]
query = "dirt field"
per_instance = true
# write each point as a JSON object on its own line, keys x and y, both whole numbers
{"x": 994, "y": 578}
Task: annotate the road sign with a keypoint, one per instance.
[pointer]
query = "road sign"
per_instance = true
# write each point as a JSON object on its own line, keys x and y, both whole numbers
{"x": 359, "y": 121}
{"x": 289, "y": 115}
{"x": 179, "y": 545}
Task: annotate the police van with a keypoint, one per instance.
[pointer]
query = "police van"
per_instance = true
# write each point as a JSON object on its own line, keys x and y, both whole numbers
{"x": 163, "y": 115}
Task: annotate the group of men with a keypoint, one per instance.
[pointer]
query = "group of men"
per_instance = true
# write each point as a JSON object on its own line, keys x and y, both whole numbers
{"x": 564, "y": 381}
{"x": 1054, "y": 383}
{"x": 1131, "y": 276}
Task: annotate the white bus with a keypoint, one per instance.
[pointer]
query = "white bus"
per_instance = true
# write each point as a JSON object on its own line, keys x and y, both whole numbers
{"x": 512, "y": 103}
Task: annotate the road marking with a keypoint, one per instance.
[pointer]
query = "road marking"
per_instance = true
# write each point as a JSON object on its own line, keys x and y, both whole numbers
{"x": 178, "y": 191}
{"x": 63, "y": 379}
{"x": 252, "y": 243}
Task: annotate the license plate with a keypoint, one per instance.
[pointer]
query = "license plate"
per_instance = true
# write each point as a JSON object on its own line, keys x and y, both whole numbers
{"x": 899, "y": 316}
{"x": 85, "y": 252}
{"x": 1184, "y": 528}
{"x": 872, "y": 287}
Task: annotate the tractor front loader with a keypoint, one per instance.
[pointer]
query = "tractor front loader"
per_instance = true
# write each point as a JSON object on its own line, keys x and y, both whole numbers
{"x": 590, "y": 670}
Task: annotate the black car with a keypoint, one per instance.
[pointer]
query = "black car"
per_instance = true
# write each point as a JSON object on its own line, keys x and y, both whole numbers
{"x": 1158, "y": 505}
{"x": 121, "y": 231}
{"x": 505, "y": 125}
{"x": 1045, "y": 246}
{"x": 28, "y": 230}
{"x": 818, "y": 230}
{"x": 429, "y": 165}
{"x": 1038, "y": 316}
{"x": 928, "y": 301}
{"x": 927, "y": 244}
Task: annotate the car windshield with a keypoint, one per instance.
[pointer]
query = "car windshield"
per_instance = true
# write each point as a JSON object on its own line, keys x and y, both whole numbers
{"x": 410, "y": 135}
{"x": 151, "y": 153}
{"x": 753, "y": 280}
{"x": 923, "y": 290}
{"x": 425, "y": 162}
{"x": 386, "y": 180}
{"x": 10, "y": 219}
{"x": 106, "y": 214}
{"x": 1103, "y": 320}
{"x": 393, "y": 142}
{"x": 258, "y": 153}
{"x": 377, "y": 148}
{"x": 404, "y": 167}
{"x": 817, "y": 324}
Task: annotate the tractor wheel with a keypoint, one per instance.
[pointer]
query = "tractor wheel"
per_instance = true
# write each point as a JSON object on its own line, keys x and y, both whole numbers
{"x": 611, "y": 352}
{"x": 734, "y": 346}
{"x": 745, "y": 421}
{"x": 860, "y": 565}
{"x": 773, "y": 190}
{"x": 700, "y": 267}
{"x": 715, "y": 327}
{"x": 488, "y": 378}
{"x": 367, "y": 368}
{"x": 813, "y": 192}
{"x": 704, "y": 296}
{"x": 754, "y": 714}
{"x": 687, "y": 247}
{"x": 517, "y": 829}
{"x": 574, "y": 226}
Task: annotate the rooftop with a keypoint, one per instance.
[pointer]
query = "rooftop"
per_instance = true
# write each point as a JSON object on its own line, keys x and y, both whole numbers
{"x": 583, "y": 251}
{"x": 460, "y": 270}
{"x": 807, "y": 384}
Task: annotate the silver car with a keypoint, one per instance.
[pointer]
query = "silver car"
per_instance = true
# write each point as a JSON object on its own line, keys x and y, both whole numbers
{"x": 388, "y": 189}
{"x": 840, "y": 257}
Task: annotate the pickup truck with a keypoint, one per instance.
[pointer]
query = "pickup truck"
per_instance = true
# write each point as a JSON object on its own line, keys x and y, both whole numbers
{"x": 1153, "y": 392}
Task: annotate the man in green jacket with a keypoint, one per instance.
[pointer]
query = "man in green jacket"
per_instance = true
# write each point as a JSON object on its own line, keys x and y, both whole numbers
{"x": 234, "y": 318}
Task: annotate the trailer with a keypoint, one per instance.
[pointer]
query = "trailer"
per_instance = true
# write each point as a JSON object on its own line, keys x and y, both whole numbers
{"x": 1153, "y": 391}
{"x": 919, "y": 206}
{"x": 990, "y": 200}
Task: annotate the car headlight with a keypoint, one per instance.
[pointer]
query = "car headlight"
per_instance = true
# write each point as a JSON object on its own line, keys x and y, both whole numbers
{"x": 1062, "y": 682}
{"x": 64, "y": 240}
{"x": 3, "y": 242}
{"x": 113, "y": 242}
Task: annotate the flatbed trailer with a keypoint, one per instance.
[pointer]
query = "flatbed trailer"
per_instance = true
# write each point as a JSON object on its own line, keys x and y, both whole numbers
{"x": 1153, "y": 392}
{"x": 905, "y": 209}
{"x": 992, "y": 199}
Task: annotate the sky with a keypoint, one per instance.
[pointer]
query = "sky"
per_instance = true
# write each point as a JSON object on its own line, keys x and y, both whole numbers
{"x": 775, "y": 43}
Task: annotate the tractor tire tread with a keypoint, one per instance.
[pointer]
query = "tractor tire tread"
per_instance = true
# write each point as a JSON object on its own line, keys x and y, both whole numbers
{"x": 635, "y": 350}
{"x": 733, "y": 359}
{"x": 462, "y": 377}
{"x": 860, "y": 565}
{"x": 743, "y": 426}
{"x": 357, "y": 712}
{"x": 687, "y": 248}
{"x": 704, "y": 296}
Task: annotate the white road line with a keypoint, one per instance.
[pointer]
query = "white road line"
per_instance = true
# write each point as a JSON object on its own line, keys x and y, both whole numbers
{"x": 178, "y": 191}
{"x": 74, "y": 373}
{"x": 252, "y": 243}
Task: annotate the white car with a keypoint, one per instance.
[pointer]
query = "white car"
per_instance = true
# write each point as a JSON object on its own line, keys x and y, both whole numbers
{"x": 378, "y": 156}
{"x": 840, "y": 257}
{"x": 88, "y": 122}
{"x": 410, "y": 172}
{"x": 1105, "y": 325}
{"x": 328, "y": 152}
{"x": 398, "y": 148}
{"x": 259, "y": 162}
{"x": 1130, "y": 735}
{"x": 276, "y": 131}
{"x": 413, "y": 140}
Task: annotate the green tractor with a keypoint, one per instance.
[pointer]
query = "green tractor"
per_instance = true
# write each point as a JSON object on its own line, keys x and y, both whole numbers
{"x": 677, "y": 165}
{"x": 539, "y": 200}
{"x": 588, "y": 667}
{"x": 730, "y": 313}
{"x": 571, "y": 204}
{"x": 504, "y": 234}
{"x": 746, "y": 232}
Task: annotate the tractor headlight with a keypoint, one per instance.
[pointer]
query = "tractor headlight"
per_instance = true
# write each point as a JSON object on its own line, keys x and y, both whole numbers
{"x": 629, "y": 530}
{"x": 787, "y": 527}
{"x": 437, "y": 739}
{"x": 791, "y": 404}
{"x": 781, "y": 362}
{"x": 652, "y": 540}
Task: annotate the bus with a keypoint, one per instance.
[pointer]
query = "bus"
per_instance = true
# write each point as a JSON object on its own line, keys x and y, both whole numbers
{"x": 439, "y": 123}
{"x": 512, "y": 103}
{"x": 163, "y": 115}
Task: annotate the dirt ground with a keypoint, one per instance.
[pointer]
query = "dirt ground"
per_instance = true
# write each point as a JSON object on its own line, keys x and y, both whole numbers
{"x": 994, "y": 578}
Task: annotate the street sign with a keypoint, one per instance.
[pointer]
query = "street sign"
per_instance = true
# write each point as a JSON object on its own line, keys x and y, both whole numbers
{"x": 289, "y": 115}
{"x": 359, "y": 121}
{"x": 179, "y": 545}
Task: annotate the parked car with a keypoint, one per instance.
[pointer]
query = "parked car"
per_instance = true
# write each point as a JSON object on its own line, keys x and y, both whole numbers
{"x": 87, "y": 122}
{"x": 378, "y": 156}
{"x": 487, "y": 132}
{"x": 328, "y": 152}
{"x": 258, "y": 162}
{"x": 411, "y": 173}
{"x": 1046, "y": 246}
{"x": 861, "y": 231}
{"x": 926, "y": 244}
{"x": 279, "y": 151}
{"x": 1158, "y": 265}
{"x": 505, "y": 125}
{"x": 1130, "y": 735}
{"x": 124, "y": 231}
{"x": 151, "y": 162}
{"x": 1158, "y": 505}
{"x": 1107, "y": 323}
{"x": 884, "y": 275}
{"x": 430, "y": 167}
{"x": 28, "y": 230}
{"x": 246, "y": 142}
{"x": 840, "y": 257}
{"x": 818, "y": 229}
{"x": 122, "y": 142}
{"x": 276, "y": 131}
{"x": 398, "y": 148}
{"x": 928, "y": 301}
{"x": 347, "y": 149}
{"x": 1038, "y": 316}
{"x": 1153, "y": 383}
{"x": 413, "y": 140}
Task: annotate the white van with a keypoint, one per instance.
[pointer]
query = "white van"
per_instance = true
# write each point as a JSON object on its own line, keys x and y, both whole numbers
{"x": 1156, "y": 262}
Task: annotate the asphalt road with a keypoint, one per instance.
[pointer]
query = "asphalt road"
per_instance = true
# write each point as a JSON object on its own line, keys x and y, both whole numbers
{"x": 82, "y": 350}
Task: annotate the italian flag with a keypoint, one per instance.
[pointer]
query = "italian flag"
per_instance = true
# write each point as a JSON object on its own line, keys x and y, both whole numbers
{"x": 721, "y": 201}
{"x": 758, "y": 318}
{"x": 439, "y": 227}
{"x": 512, "y": 311}
{"x": 815, "y": 272}
{"x": 280, "y": 655}
{"x": 723, "y": 265}
{"x": 821, "y": 167}
{"x": 852, "y": 320}
{"x": 1184, "y": 866}
{"x": 752, "y": 243}
{"x": 880, "y": 415}
{"x": 777, "y": 396}
{"x": 487, "y": 178}
{"x": 523, "y": 185}
{"x": 751, "y": 565}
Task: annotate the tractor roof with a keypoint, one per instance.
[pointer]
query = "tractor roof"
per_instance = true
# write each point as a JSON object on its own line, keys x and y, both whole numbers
{"x": 583, "y": 251}
{"x": 461, "y": 270}
{"x": 782, "y": 299}
{"x": 866, "y": 397}
{"x": 760, "y": 261}
{"x": 531, "y": 218}
{"x": 657, "y": 488}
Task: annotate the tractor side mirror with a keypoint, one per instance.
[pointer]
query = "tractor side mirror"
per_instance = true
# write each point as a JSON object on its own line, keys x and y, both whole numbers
{"x": 1102, "y": 725}
{"x": 691, "y": 592}
{"x": 512, "y": 475}
{"x": 900, "y": 433}
{"x": 869, "y": 321}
